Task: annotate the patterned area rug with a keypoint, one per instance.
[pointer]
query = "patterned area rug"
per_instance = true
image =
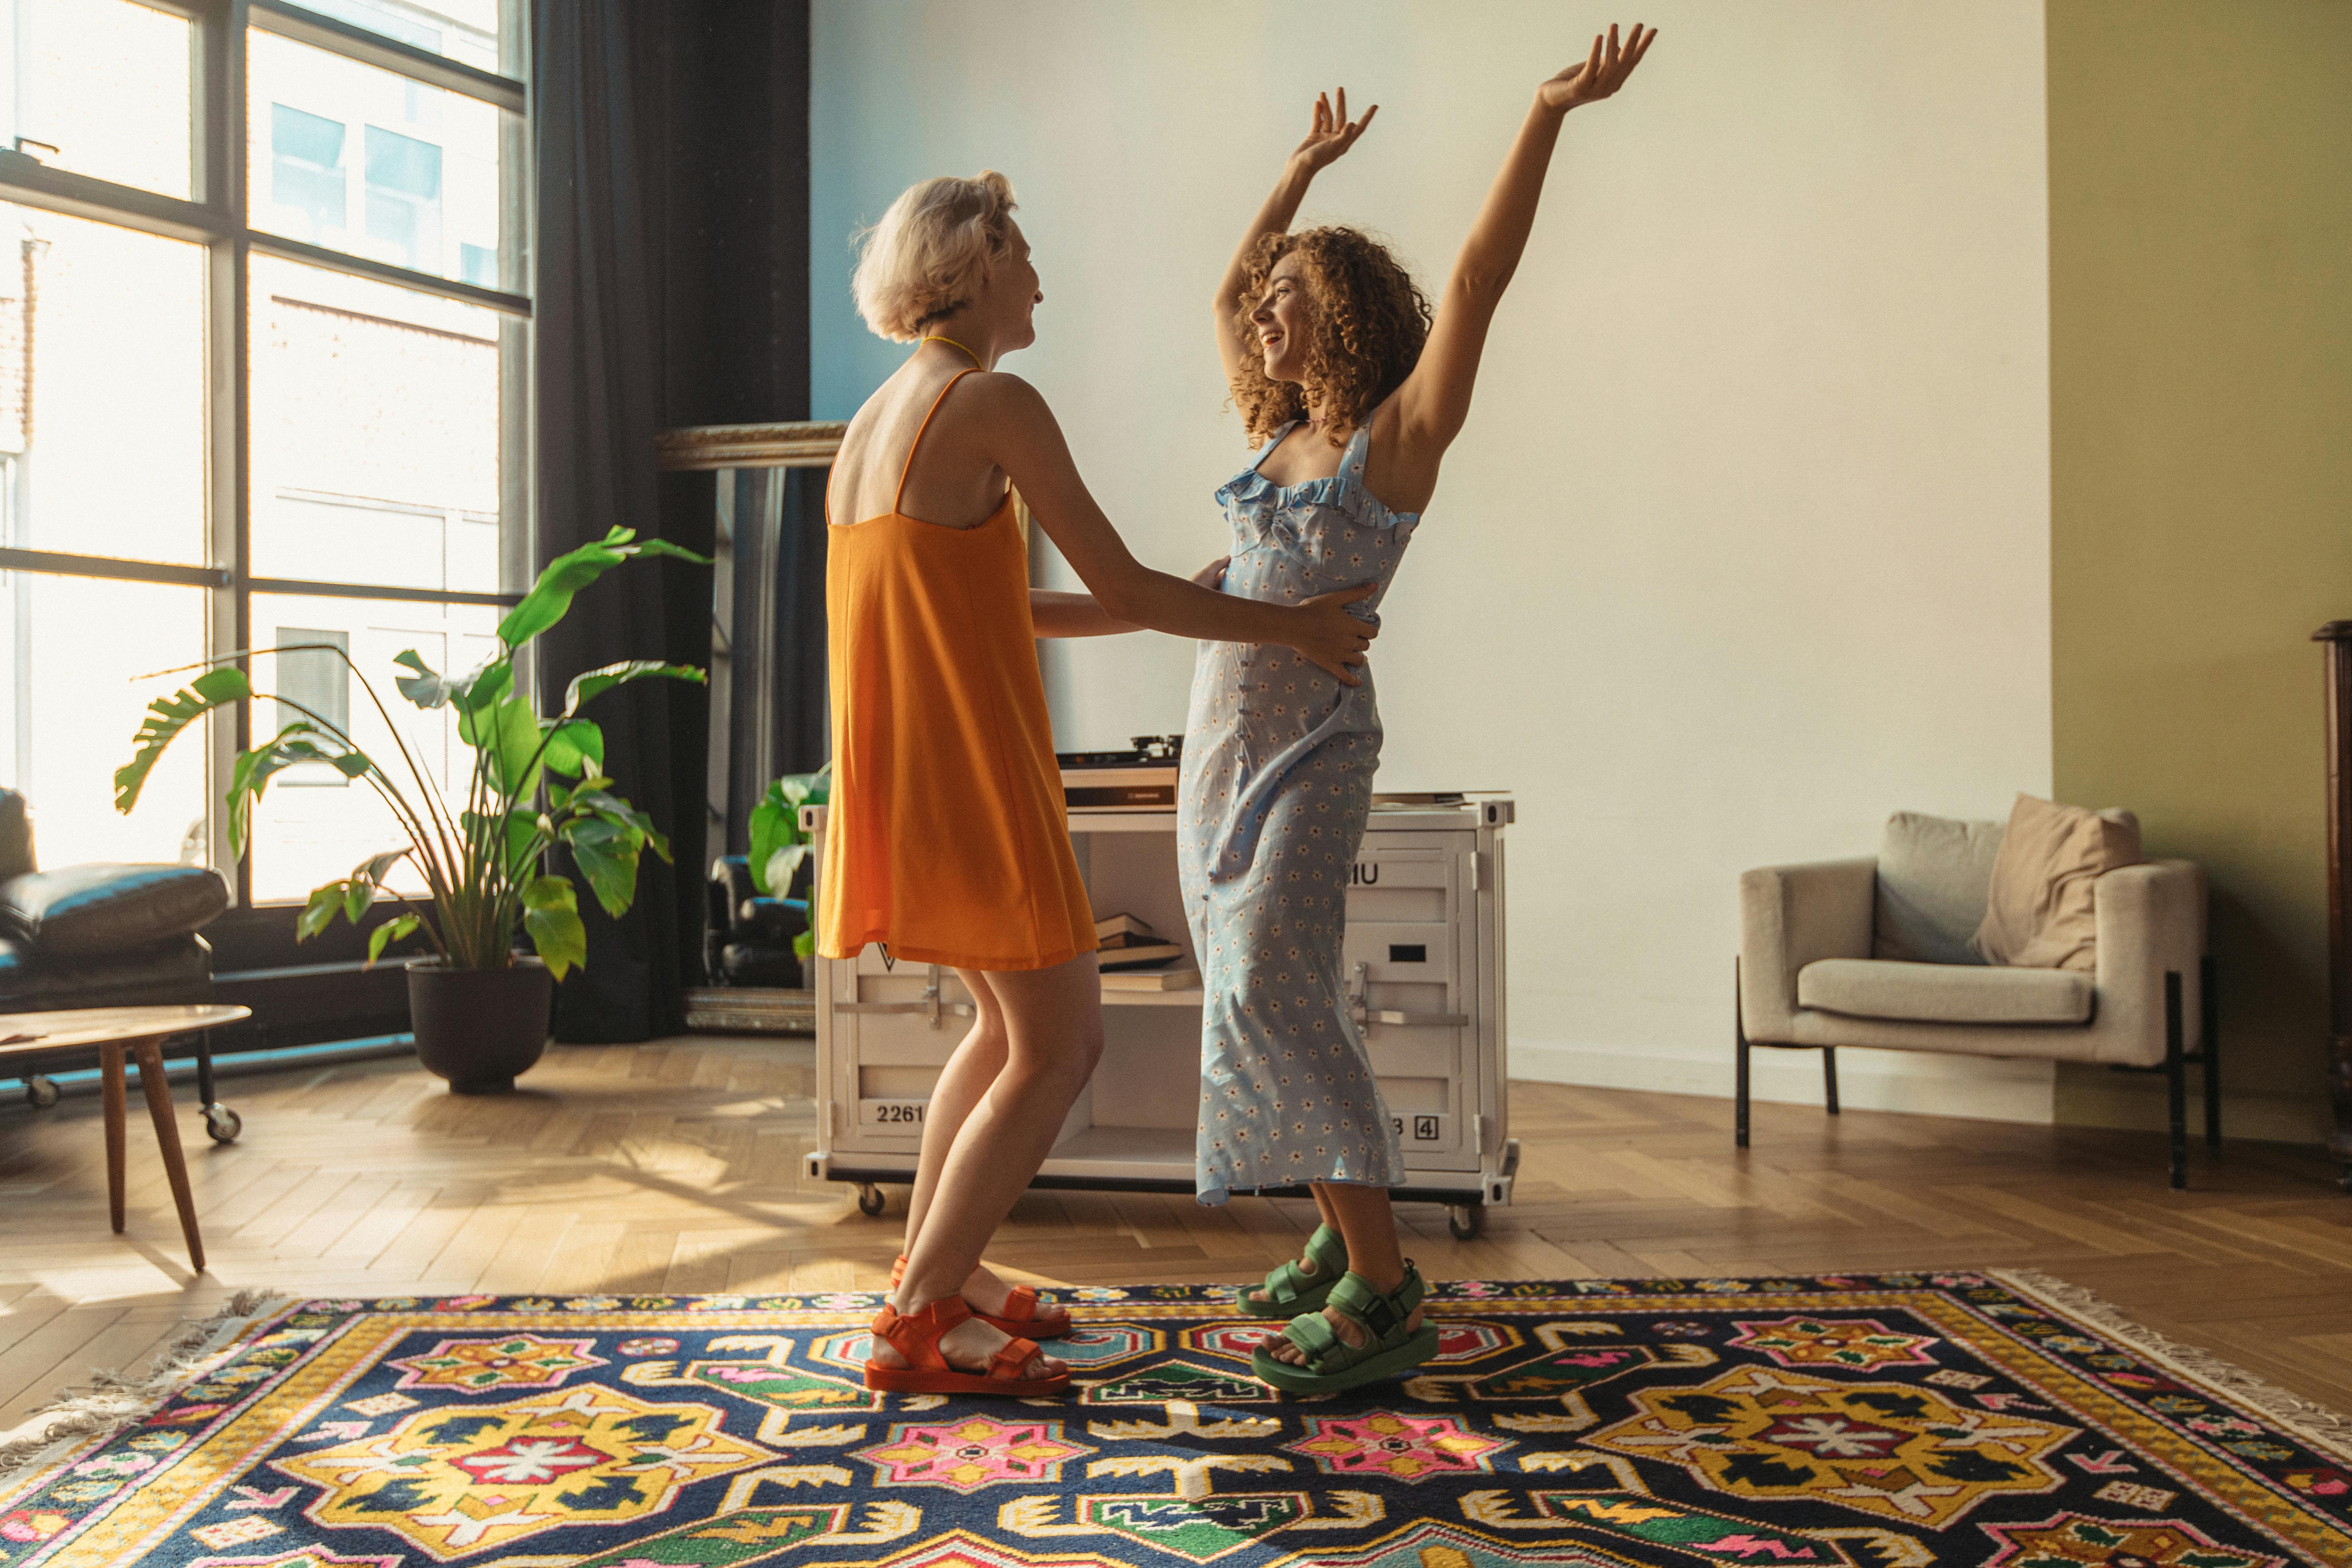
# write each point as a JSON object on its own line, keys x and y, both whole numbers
{"x": 1885, "y": 1420}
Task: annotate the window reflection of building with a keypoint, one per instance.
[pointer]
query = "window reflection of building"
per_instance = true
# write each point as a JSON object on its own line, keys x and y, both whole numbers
{"x": 375, "y": 405}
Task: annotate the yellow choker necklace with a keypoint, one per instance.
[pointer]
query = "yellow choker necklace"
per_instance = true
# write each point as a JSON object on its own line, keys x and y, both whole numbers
{"x": 935, "y": 337}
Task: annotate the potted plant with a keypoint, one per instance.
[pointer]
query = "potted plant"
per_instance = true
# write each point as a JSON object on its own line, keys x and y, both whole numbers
{"x": 779, "y": 847}
{"x": 479, "y": 1011}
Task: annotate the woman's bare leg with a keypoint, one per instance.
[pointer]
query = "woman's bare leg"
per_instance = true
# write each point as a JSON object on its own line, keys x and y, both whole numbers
{"x": 1052, "y": 1028}
{"x": 970, "y": 1070}
{"x": 966, "y": 1078}
{"x": 1368, "y": 1225}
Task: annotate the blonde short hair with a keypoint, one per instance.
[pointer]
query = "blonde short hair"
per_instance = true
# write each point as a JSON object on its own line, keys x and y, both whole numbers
{"x": 927, "y": 255}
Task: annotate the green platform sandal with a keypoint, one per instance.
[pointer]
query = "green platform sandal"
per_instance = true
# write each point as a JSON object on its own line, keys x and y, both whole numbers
{"x": 1291, "y": 1292}
{"x": 1332, "y": 1363}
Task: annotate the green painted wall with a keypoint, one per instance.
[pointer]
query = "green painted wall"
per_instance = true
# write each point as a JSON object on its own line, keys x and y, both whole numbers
{"x": 2200, "y": 304}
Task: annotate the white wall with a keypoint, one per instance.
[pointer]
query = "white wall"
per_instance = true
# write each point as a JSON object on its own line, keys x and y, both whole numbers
{"x": 1746, "y": 544}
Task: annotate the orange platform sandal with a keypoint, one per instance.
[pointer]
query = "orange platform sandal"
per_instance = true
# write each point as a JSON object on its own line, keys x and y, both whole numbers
{"x": 916, "y": 1336}
{"x": 1020, "y": 1316}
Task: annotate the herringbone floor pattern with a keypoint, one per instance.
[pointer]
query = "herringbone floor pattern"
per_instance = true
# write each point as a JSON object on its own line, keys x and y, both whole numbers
{"x": 674, "y": 1167}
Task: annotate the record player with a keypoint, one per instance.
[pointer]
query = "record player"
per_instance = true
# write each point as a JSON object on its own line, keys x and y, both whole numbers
{"x": 1141, "y": 779}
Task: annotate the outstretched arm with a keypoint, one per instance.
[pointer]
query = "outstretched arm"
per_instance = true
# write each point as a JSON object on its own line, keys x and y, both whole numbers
{"x": 1436, "y": 398}
{"x": 1330, "y": 135}
{"x": 1054, "y": 613}
{"x": 1023, "y": 439}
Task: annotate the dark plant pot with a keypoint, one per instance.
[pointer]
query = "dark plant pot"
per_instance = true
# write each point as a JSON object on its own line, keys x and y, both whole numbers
{"x": 478, "y": 1028}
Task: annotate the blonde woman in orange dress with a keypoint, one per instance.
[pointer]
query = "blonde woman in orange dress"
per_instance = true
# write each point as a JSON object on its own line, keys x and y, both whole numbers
{"x": 948, "y": 840}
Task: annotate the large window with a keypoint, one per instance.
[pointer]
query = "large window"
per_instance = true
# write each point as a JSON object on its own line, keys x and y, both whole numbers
{"x": 264, "y": 317}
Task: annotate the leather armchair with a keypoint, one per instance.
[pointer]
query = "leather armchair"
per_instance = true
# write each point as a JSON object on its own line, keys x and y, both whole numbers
{"x": 104, "y": 935}
{"x": 749, "y": 940}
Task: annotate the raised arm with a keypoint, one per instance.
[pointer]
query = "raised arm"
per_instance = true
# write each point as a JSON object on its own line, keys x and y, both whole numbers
{"x": 1330, "y": 135}
{"x": 1436, "y": 398}
{"x": 1024, "y": 441}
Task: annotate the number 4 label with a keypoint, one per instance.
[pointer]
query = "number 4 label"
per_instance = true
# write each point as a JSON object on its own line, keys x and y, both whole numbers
{"x": 1422, "y": 1129}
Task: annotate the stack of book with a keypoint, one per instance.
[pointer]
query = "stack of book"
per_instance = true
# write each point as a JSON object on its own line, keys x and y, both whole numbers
{"x": 1134, "y": 957}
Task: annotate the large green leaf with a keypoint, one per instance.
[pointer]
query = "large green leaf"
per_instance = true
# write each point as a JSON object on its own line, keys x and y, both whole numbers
{"x": 425, "y": 689}
{"x": 250, "y": 774}
{"x": 513, "y": 747}
{"x": 606, "y": 852}
{"x": 551, "y": 596}
{"x": 522, "y": 826}
{"x": 573, "y": 745}
{"x": 166, "y": 718}
{"x": 390, "y": 931}
{"x": 326, "y": 903}
{"x": 480, "y": 693}
{"x": 596, "y": 682}
{"x": 620, "y": 813}
{"x": 776, "y": 825}
{"x": 550, "y": 913}
{"x": 782, "y": 867}
{"x": 773, "y": 828}
{"x": 365, "y": 879}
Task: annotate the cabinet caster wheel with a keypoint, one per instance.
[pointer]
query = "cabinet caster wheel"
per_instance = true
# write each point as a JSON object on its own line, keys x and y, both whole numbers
{"x": 1466, "y": 1220}
{"x": 221, "y": 1124}
{"x": 41, "y": 1093}
{"x": 869, "y": 1199}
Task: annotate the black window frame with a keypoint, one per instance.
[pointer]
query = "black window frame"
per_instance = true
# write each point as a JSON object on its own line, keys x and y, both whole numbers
{"x": 251, "y": 939}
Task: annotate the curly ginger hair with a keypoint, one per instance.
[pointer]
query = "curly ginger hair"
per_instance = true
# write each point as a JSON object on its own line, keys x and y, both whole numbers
{"x": 1370, "y": 321}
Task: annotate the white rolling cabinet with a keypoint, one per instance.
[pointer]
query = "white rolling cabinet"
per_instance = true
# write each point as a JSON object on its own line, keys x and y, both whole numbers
{"x": 1424, "y": 956}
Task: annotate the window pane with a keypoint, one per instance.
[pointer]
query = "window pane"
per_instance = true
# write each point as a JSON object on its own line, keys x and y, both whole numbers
{"x": 463, "y": 30}
{"x": 376, "y": 433}
{"x": 101, "y": 389}
{"x": 105, "y": 82}
{"x": 313, "y": 826}
{"x": 72, "y": 649}
{"x": 372, "y": 163}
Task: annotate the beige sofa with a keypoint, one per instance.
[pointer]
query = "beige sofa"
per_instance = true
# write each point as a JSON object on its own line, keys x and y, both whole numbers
{"x": 1830, "y": 955}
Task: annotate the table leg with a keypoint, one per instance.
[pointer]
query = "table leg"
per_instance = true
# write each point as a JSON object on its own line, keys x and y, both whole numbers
{"x": 110, "y": 1077}
{"x": 167, "y": 1136}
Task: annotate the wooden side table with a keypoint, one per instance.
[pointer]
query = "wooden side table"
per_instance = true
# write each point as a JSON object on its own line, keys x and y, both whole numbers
{"x": 141, "y": 1032}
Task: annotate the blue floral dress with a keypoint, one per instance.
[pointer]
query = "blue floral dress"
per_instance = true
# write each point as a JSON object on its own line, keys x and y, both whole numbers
{"x": 1277, "y": 780}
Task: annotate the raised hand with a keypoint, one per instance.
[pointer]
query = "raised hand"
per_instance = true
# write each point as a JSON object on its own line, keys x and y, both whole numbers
{"x": 1331, "y": 134}
{"x": 1600, "y": 73}
{"x": 1328, "y": 635}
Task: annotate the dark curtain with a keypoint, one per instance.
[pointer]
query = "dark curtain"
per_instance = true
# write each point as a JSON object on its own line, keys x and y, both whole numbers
{"x": 803, "y": 728}
{"x": 671, "y": 289}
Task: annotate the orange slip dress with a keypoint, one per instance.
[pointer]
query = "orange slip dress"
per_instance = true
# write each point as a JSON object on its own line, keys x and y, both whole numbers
{"x": 948, "y": 836}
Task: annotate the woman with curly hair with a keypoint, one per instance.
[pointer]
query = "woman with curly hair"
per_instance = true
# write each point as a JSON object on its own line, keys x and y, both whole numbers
{"x": 1357, "y": 388}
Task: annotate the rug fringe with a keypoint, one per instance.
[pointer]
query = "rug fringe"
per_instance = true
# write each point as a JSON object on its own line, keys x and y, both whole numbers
{"x": 2316, "y": 1424}
{"x": 109, "y": 1401}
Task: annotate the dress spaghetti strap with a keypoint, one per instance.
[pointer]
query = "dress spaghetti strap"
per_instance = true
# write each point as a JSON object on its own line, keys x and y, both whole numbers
{"x": 899, "y": 497}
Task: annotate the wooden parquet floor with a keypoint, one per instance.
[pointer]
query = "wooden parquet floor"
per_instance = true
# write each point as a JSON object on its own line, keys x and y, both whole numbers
{"x": 676, "y": 1167}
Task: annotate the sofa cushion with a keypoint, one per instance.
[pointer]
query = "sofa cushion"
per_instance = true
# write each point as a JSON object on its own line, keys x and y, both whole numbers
{"x": 2040, "y": 912}
{"x": 99, "y": 908}
{"x": 1933, "y": 874}
{"x": 1944, "y": 993}
{"x": 33, "y": 980}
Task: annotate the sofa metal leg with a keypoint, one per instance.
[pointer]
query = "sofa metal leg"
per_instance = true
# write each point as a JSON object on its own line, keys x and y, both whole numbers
{"x": 2208, "y": 1015}
{"x": 1828, "y": 1077}
{"x": 2176, "y": 1077}
{"x": 1740, "y": 1096}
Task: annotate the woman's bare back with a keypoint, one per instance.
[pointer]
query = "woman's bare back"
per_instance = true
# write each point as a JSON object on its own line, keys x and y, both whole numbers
{"x": 952, "y": 483}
